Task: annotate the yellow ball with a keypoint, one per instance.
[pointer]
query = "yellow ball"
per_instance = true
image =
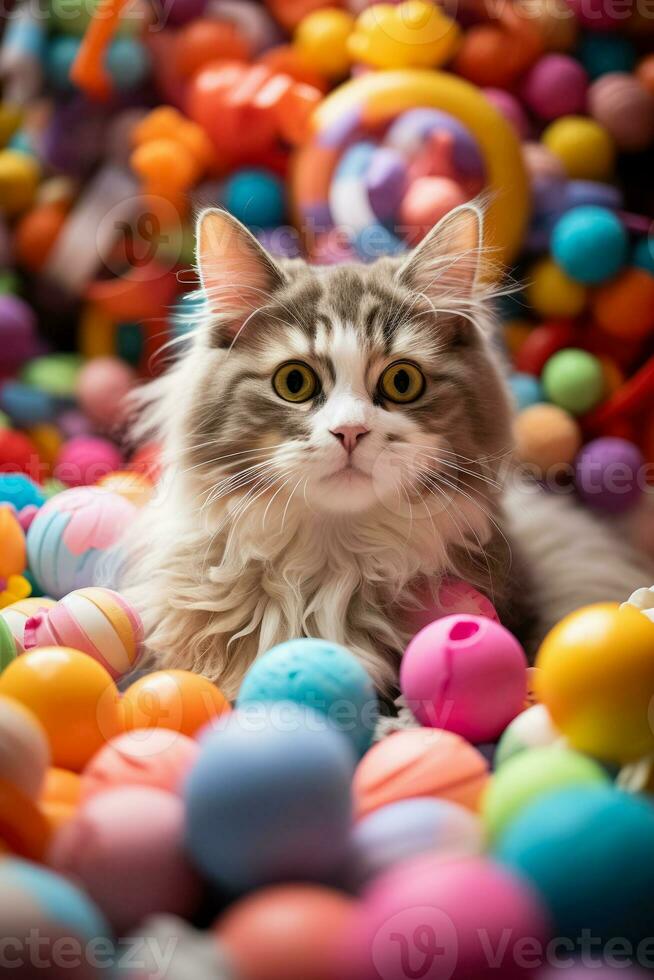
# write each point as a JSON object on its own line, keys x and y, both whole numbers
{"x": 552, "y": 293}
{"x": 596, "y": 678}
{"x": 413, "y": 34}
{"x": 585, "y": 148}
{"x": 19, "y": 179}
{"x": 321, "y": 39}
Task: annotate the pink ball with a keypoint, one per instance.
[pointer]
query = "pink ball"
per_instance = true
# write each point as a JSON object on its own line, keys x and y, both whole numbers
{"x": 446, "y": 916}
{"x": 510, "y": 108}
{"x": 155, "y": 757}
{"x": 454, "y": 596}
{"x": 102, "y": 387}
{"x": 125, "y": 848}
{"x": 427, "y": 200}
{"x": 622, "y": 104}
{"x": 556, "y": 86}
{"x": 466, "y": 674}
{"x": 82, "y": 461}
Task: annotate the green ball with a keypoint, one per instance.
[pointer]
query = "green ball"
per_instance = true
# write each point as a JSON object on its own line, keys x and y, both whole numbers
{"x": 74, "y": 16}
{"x": 52, "y": 487}
{"x": 8, "y": 282}
{"x": 7, "y": 645}
{"x": 530, "y": 775}
{"x": 531, "y": 729}
{"x": 55, "y": 374}
{"x": 574, "y": 380}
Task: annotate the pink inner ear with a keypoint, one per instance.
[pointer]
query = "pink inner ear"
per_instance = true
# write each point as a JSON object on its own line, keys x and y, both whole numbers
{"x": 234, "y": 276}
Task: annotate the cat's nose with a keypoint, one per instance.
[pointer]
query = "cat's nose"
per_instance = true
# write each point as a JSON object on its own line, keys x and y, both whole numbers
{"x": 349, "y": 435}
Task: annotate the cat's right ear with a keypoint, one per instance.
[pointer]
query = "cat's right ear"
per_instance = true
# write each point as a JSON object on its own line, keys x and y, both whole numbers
{"x": 237, "y": 274}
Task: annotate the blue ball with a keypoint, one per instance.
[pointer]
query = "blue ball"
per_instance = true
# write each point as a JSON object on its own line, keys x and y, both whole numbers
{"x": 590, "y": 244}
{"x": 187, "y": 313}
{"x": 643, "y": 254}
{"x": 602, "y": 53}
{"x": 128, "y": 63}
{"x": 27, "y": 405}
{"x": 268, "y": 799}
{"x": 20, "y": 490}
{"x": 589, "y": 854}
{"x": 256, "y": 197}
{"x": 61, "y": 53}
{"x": 323, "y": 676}
{"x": 527, "y": 390}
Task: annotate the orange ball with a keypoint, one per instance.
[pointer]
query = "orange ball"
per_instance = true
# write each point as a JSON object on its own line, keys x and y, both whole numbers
{"x": 60, "y": 797}
{"x": 36, "y": 233}
{"x": 175, "y": 699}
{"x": 13, "y": 556}
{"x": 165, "y": 165}
{"x": 645, "y": 72}
{"x": 492, "y": 57}
{"x": 204, "y": 40}
{"x": 624, "y": 307}
{"x": 72, "y": 696}
{"x": 284, "y": 58}
{"x": 290, "y": 931}
{"x": 547, "y": 438}
{"x": 23, "y": 828}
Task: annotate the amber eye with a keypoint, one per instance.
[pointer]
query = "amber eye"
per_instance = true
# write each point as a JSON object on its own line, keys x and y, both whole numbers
{"x": 295, "y": 382}
{"x": 402, "y": 382}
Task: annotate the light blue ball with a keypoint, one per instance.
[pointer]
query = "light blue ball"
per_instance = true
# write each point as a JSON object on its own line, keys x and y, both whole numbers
{"x": 590, "y": 854}
{"x": 321, "y": 675}
{"x": 187, "y": 313}
{"x": 602, "y": 53}
{"x": 61, "y": 53}
{"x": 20, "y": 490}
{"x": 590, "y": 244}
{"x": 128, "y": 63}
{"x": 268, "y": 799}
{"x": 527, "y": 390}
{"x": 27, "y": 405}
{"x": 643, "y": 255}
{"x": 256, "y": 197}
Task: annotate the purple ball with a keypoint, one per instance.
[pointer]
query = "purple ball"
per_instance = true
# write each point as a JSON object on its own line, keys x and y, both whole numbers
{"x": 556, "y": 86}
{"x": 609, "y": 474}
{"x": 18, "y": 340}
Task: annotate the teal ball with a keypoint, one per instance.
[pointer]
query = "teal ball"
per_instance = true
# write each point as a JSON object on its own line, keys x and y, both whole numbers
{"x": 604, "y": 53}
{"x": 323, "y": 676}
{"x": 128, "y": 63}
{"x": 256, "y": 197}
{"x": 590, "y": 243}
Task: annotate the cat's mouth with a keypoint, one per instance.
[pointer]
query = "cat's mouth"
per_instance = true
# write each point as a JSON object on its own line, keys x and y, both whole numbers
{"x": 348, "y": 472}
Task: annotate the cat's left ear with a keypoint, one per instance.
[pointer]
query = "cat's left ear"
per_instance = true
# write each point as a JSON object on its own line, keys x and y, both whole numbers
{"x": 238, "y": 276}
{"x": 447, "y": 262}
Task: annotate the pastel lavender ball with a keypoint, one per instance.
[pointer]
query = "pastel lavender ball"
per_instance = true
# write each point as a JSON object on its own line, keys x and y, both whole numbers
{"x": 556, "y": 86}
{"x": 608, "y": 474}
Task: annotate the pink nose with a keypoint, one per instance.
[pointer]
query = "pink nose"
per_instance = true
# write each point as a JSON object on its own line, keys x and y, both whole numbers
{"x": 349, "y": 435}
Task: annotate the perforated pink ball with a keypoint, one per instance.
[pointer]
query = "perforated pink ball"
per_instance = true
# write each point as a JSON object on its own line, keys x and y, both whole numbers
{"x": 102, "y": 387}
{"x": 466, "y": 674}
{"x": 85, "y": 460}
{"x": 556, "y": 86}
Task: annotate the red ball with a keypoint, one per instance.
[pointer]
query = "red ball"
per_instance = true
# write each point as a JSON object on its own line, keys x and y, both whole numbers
{"x": 147, "y": 460}
{"x": 18, "y": 454}
{"x": 542, "y": 343}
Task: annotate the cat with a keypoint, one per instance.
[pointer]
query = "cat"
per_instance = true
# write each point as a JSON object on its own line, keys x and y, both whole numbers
{"x": 336, "y": 441}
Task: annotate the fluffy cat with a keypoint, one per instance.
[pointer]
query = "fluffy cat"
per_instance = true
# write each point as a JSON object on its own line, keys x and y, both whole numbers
{"x": 336, "y": 440}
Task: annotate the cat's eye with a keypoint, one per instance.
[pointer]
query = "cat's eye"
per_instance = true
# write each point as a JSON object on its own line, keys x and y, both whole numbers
{"x": 402, "y": 382}
{"x": 295, "y": 381}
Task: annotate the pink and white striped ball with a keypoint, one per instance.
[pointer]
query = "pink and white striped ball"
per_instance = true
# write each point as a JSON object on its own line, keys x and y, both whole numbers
{"x": 96, "y": 621}
{"x": 17, "y": 614}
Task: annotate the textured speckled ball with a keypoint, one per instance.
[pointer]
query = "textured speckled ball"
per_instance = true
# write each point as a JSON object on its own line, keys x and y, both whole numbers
{"x": 609, "y": 474}
{"x": 16, "y": 615}
{"x": 278, "y": 786}
{"x": 625, "y": 108}
{"x": 530, "y": 775}
{"x": 532, "y": 729}
{"x": 574, "y": 380}
{"x": 590, "y": 243}
{"x": 588, "y": 853}
{"x": 321, "y": 675}
{"x": 70, "y": 534}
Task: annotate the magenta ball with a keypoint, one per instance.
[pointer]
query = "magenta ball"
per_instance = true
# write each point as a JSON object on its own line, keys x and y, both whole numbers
{"x": 609, "y": 474}
{"x": 446, "y": 916}
{"x": 466, "y": 674}
{"x": 510, "y": 108}
{"x": 556, "y": 86}
{"x": 102, "y": 387}
{"x": 85, "y": 460}
{"x": 125, "y": 848}
{"x": 18, "y": 339}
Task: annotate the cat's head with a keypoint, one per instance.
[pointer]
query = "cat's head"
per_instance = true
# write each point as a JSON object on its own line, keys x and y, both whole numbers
{"x": 352, "y": 386}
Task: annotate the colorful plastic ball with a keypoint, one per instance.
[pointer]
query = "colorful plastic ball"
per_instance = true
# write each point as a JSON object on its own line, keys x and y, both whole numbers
{"x": 37, "y": 232}
{"x": 19, "y": 179}
{"x": 17, "y": 489}
{"x": 12, "y": 543}
{"x": 97, "y": 621}
{"x": 203, "y": 40}
{"x": 154, "y": 757}
{"x": 322, "y": 675}
{"x": 453, "y": 597}
{"x": 321, "y": 39}
{"x": 174, "y": 699}
{"x": 552, "y": 293}
{"x": 16, "y": 615}
{"x": 451, "y": 667}
{"x": 590, "y": 243}
{"x": 128, "y": 63}
{"x": 547, "y": 438}
{"x": 55, "y": 373}
{"x": 279, "y": 789}
{"x": 7, "y": 645}
{"x": 609, "y": 474}
{"x": 530, "y": 775}
{"x": 531, "y": 729}
{"x": 293, "y": 931}
{"x": 434, "y": 910}
{"x": 427, "y": 200}
{"x": 17, "y": 332}
{"x": 422, "y": 762}
{"x": 603, "y": 53}
{"x": 555, "y": 86}
{"x": 256, "y": 197}
{"x": 402, "y": 830}
{"x": 412, "y": 34}
{"x": 18, "y": 454}
{"x": 60, "y": 796}
{"x": 585, "y": 148}
{"x": 587, "y": 853}
{"x": 70, "y": 534}
{"x": 125, "y": 847}
{"x": 625, "y": 108}
{"x": 103, "y": 384}
{"x": 596, "y": 676}
{"x": 573, "y": 379}
{"x": 72, "y": 696}
{"x": 24, "y": 749}
{"x": 26, "y": 405}
{"x": 526, "y": 390}
{"x": 642, "y": 255}
{"x": 84, "y": 460}
{"x": 511, "y": 108}
{"x": 645, "y": 72}
{"x": 60, "y": 56}
{"x": 542, "y": 342}
{"x": 624, "y": 308}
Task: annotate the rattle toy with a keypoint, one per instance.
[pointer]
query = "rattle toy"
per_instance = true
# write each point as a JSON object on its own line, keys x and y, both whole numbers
{"x": 174, "y": 699}
{"x": 144, "y": 757}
